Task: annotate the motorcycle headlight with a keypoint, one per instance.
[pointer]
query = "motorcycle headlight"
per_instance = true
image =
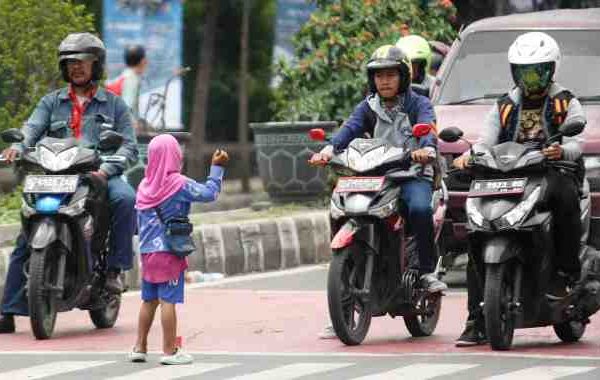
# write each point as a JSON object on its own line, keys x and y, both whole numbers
{"x": 522, "y": 209}
{"x": 473, "y": 213}
{"x": 57, "y": 162}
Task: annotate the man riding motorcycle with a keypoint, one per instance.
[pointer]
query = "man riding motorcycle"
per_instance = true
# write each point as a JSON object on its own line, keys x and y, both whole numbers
{"x": 389, "y": 112}
{"x": 529, "y": 114}
{"x": 420, "y": 54}
{"x": 81, "y": 110}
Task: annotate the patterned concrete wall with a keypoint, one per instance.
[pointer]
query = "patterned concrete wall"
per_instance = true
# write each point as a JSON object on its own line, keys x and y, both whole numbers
{"x": 252, "y": 246}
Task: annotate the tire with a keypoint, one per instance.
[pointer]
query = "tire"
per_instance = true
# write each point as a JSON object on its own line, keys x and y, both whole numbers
{"x": 570, "y": 331}
{"x": 499, "y": 321}
{"x": 106, "y": 317}
{"x": 425, "y": 324}
{"x": 342, "y": 305}
{"x": 42, "y": 303}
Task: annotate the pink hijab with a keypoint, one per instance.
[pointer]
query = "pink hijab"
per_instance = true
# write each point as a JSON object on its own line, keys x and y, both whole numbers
{"x": 163, "y": 176}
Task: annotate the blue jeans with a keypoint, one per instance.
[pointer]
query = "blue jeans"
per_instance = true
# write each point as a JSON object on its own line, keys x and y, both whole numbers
{"x": 417, "y": 194}
{"x": 121, "y": 198}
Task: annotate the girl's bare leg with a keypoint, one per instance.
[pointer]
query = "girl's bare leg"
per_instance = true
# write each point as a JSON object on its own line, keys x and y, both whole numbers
{"x": 168, "y": 317}
{"x": 147, "y": 312}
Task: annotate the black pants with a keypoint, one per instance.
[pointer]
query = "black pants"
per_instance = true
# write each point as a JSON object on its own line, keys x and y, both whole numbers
{"x": 563, "y": 202}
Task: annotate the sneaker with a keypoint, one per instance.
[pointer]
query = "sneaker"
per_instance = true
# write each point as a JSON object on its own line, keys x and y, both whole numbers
{"x": 7, "y": 324}
{"x": 559, "y": 287}
{"x": 137, "y": 357}
{"x": 472, "y": 336}
{"x": 432, "y": 284}
{"x": 328, "y": 333}
{"x": 113, "y": 282}
{"x": 178, "y": 358}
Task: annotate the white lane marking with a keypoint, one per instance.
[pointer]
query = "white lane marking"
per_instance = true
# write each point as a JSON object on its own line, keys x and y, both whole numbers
{"x": 292, "y": 371}
{"x": 542, "y": 373}
{"x": 50, "y": 369}
{"x": 174, "y": 371}
{"x": 422, "y": 371}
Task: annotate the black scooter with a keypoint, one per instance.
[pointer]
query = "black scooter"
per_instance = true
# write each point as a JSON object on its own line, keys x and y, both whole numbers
{"x": 511, "y": 237}
{"x": 66, "y": 222}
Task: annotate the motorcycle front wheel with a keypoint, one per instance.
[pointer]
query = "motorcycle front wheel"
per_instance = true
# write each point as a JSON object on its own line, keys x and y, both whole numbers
{"x": 43, "y": 275}
{"x": 498, "y": 295}
{"x": 350, "y": 316}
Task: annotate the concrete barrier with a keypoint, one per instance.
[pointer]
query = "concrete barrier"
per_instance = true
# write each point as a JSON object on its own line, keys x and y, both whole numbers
{"x": 233, "y": 248}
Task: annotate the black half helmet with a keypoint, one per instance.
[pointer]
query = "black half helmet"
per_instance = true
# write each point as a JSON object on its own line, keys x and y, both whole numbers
{"x": 386, "y": 57}
{"x": 82, "y": 46}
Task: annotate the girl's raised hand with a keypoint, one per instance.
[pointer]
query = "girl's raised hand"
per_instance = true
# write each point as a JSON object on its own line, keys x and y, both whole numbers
{"x": 220, "y": 157}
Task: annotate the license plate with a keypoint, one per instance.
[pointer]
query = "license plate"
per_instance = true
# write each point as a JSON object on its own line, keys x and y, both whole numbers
{"x": 359, "y": 184}
{"x": 54, "y": 184}
{"x": 512, "y": 186}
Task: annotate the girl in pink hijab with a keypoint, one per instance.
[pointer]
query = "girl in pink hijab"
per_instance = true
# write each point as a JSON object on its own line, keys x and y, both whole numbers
{"x": 166, "y": 190}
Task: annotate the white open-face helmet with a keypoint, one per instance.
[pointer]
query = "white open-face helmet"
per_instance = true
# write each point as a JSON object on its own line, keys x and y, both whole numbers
{"x": 534, "y": 59}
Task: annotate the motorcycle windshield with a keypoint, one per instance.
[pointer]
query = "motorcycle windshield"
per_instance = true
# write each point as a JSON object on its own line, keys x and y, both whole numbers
{"x": 508, "y": 157}
{"x": 367, "y": 155}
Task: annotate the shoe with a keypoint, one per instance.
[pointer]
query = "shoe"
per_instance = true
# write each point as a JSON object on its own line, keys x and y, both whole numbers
{"x": 328, "y": 333}
{"x": 113, "y": 282}
{"x": 472, "y": 336}
{"x": 432, "y": 284}
{"x": 178, "y": 358}
{"x": 137, "y": 357}
{"x": 7, "y": 324}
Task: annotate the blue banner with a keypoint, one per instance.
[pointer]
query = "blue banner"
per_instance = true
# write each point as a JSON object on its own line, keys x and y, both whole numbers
{"x": 157, "y": 25}
{"x": 291, "y": 15}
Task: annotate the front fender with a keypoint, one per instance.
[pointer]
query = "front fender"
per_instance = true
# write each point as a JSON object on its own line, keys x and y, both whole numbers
{"x": 345, "y": 236}
{"x": 46, "y": 232}
{"x": 498, "y": 249}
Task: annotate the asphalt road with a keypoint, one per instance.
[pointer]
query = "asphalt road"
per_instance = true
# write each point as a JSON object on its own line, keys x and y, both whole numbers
{"x": 265, "y": 326}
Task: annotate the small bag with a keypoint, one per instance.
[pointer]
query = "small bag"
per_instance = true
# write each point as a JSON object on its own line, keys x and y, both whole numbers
{"x": 178, "y": 235}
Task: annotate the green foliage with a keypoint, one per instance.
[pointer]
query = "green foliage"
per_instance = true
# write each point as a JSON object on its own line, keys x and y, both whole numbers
{"x": 329, "y": 79}
{"x": 10, "y": 205}
{"x": 32, "y": 31}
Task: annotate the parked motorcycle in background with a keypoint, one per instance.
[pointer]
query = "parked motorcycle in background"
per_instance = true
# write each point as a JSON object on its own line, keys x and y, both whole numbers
{"x": 66, "y": 222}
{"x": 374, "y": 266}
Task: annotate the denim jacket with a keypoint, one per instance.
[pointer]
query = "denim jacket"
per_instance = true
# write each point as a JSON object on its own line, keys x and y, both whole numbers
{"x": 106, "y": 111}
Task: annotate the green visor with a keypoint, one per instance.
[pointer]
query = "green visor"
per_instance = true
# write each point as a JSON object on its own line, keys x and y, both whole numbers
{"x": 534, "y": 78}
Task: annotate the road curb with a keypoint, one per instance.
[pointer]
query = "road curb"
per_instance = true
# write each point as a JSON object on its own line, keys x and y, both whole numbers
{"x": 234, "y": 248}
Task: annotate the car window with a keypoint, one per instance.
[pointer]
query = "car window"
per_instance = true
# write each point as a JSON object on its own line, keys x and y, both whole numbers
{"x": 481, "y": 67}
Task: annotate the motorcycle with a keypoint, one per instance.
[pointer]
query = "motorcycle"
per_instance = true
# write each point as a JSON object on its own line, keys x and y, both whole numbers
{"x": 511, "y": 237}
{"x": 374, "y": 266}
{"x": 66, "y": 223}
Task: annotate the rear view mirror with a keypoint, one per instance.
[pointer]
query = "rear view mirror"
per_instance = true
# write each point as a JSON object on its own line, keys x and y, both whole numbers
{"x": 317, "y": 134}
{"x": 12, "y": 136}
{"x": 451, "y": 134}
{"x": 421, "y": 129}
{"x": 110, "y": 140}
{"x": 572, "y": 128}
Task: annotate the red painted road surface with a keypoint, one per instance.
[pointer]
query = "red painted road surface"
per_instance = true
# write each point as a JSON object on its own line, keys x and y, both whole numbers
{"x": 279, "y": 321}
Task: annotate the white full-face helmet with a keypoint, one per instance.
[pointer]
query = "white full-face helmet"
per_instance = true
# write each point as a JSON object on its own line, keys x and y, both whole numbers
{"x": 534, "y": 59}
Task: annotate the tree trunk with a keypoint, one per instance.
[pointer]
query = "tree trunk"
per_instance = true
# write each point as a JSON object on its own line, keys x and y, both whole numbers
{"x": 243, "y": 96}
{"x": 195, "y": 158}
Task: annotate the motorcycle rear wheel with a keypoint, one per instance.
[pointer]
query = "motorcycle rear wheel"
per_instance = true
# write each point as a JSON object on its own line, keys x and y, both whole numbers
{"x": 498, "y": 293}
{"x": 42, "y": 301}
{"x": 107, "y": 316}
{"x": 570, "y": 331}
{"x": 343, "y": 306}
{"x": 424, "y": 324}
